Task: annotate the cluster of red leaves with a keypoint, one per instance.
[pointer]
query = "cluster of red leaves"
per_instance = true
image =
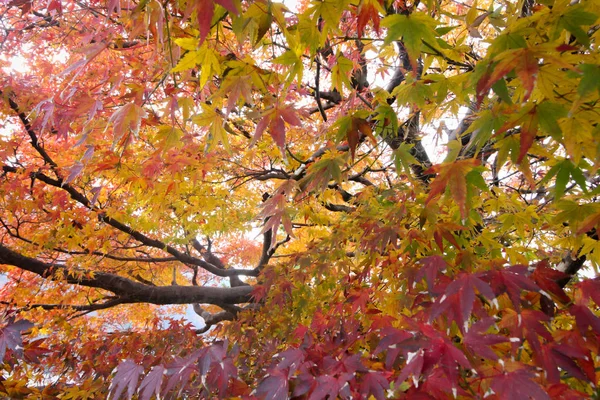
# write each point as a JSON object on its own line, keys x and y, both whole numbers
{"x": 339, "y": 355}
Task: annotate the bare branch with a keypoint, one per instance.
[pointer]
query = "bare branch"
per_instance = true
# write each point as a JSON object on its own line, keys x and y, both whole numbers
{"x": 128, "y": 290}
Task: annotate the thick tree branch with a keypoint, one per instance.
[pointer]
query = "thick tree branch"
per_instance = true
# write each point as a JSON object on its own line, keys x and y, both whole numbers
{"x": 211, "y": 319}
{"x": 74, "y": 307}
{"x": 128, "y": 290}
{"x": 570, "y": 265}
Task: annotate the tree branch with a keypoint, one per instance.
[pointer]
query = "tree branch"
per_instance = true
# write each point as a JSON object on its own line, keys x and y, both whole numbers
{"x": 128, "y": 290}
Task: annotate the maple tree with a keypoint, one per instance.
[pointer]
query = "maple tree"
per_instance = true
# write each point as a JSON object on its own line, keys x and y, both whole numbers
{"x": 361, "y": 199}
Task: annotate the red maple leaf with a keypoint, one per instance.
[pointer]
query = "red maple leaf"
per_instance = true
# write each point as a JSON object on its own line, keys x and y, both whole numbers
{"x": 391, "y": 343}
{"x": 562, "y": 391}
{"x": 181, "y": 369}
{"x": 584, "y": 317}
{"x": 374, "y": 384}
{"x": 359, "y": 298}
{"x": 518, "y": 384}
{"x": 528, "y": 131}
{"x": 10, "y": 337}
{"x": 436, "y": 350}
{"x": 326, "y": 385}
{"x": 275, "y": 120}
{"x": 432, "y": 265}
{"x": 563, "y": 356}
{"x": 546, "y": 278}
{"x": 414, "y": 367}
{"x": 127, "y": 376}
{"x": 290, "y": 360}
{"x": 590, "y": 288}
{"x": 522, "y": 61}
{"x": 367, "y": 11}
{"x": 274, "y": 387}
{"x": 444, "y": 231}
{"x": 460, "y": 294}
{"x": 33, "y": 351}
{"x": 511, "y": 280}
{"x": 440, "y": 386}
{"x": 151, "y": 383}
{"x": 205, "y": 10}
{"x": 529, "y": 324}
{"x": 479, "y": 343}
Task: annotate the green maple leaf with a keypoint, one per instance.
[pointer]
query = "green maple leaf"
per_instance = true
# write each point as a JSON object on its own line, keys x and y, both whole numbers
{"x": 574, "y": 19}
{"x": 413, "y": 29}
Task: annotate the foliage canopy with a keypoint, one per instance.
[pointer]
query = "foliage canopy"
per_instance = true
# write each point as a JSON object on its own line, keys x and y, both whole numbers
{"x": 362, "y": 199}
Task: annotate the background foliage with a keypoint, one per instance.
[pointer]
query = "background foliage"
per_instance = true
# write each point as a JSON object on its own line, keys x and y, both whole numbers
{"x": 265, "y": 164}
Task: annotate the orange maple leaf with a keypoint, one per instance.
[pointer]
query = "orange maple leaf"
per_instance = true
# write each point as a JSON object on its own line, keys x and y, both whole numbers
{"x": 452, "y": 175}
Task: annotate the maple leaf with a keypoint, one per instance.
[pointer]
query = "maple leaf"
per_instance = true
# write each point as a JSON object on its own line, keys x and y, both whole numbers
{"x": 33, "y": 352}
{"x": 237, "y": 87}
{"x": 437, "y": 350}
{"x": 368, "y": 11}
{"x": 562, "y": 391}
{"x": 589, "y": 80}
{"x": 220, "y": 375}
{"x": 564, "y": 172}
{"x": 353, "y": 127}
{"x": 216, "y": 368}
{"x": 374, "y": 384}
{"x": 414, "y": 29}
{"x": 24, "y": 5}
{"x": 432, "y": 265}
{"x": 359, "y": 298}
{"x": 392, "y": 338}
{"x": 590, "y": 222}
{"x": 126, "y": 377}
{"x": 555, "y": 356}
{"x": 205, "y": 10}
{"x": 341, "y": 72}
{"x": 273, "y": 387}
{"x": 529, "y": 324}
{"x": 259, "y": 292}
{"x": 590, "y": 288}
{"x": 214, "y": 123}
{"x": 290, "y": 360}
{"x": 321, "y": 172}
{"x": 461, "y": 294}
{"x": 414, "y": 367}
{"x": 127, "y": 119}
{"x": 444, "y": 231}
{"x": 275, "y": 120}
{"x": 585, "y": 318}
{"x": 452, "y": 176}
{"x": 152, "y": 382}
{"x": 439, "y": 385}
{"x": 478, "y": 342}
{"x": 528, "y": 121}
{"x": 518, "y": 384}
{"x": 274, "y": 211}
{"x": 546, "y": 278}
{"x": 573, "y": 19}
{"x": 511, "y": 280}
{"x": 181, "y": 369}
{"x": 522, "y": 61}
{"x": 325, "y": 385}
{"x": 74, "y": 172}
{"x": 10, "y": 336}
